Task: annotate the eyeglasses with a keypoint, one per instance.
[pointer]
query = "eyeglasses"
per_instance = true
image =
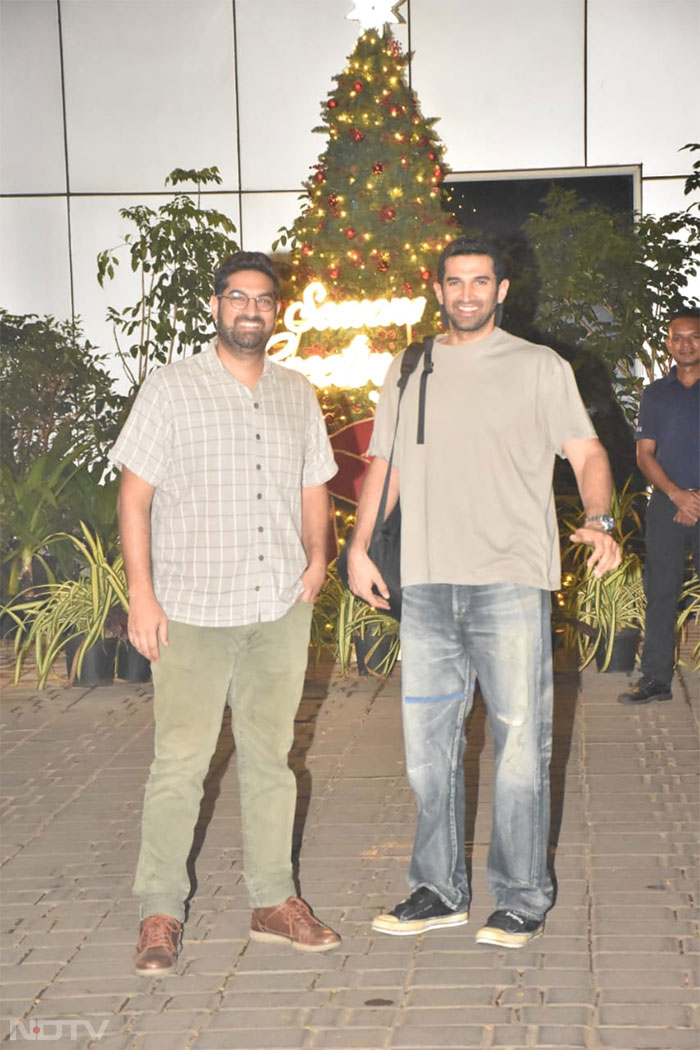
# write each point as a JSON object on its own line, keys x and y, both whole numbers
{"x": 239, "y": 301}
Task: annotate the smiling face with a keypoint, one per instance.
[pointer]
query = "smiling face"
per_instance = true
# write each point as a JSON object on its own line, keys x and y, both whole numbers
{"x": 683, "y": 341}
{"x": 469, "y": 294}
{"x": 244, "y": 331}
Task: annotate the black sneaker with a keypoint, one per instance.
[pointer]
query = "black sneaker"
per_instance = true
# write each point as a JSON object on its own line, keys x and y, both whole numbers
{"x": 645, "y": 690}
{"x": 509, "y": 929}
{"x": 422, "y": 911}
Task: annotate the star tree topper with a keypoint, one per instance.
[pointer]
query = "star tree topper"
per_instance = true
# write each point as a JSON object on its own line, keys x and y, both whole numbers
{"x": 375, "y": 14}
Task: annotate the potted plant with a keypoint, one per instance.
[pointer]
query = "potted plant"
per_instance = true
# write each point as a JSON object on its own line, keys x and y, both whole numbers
{"x": 612, "y": 608}
{"x": 603, "y": 618}
{"x": 72, "y": 615}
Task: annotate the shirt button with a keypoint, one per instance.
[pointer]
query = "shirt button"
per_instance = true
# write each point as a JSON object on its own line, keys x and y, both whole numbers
{"x": 259, "y": 495}
{"x": 260, "y": 528}
{"x": 256, "y": 405}
{"x": 257, "y": 437}
{"x": 258, "y": 466}
{"x": 261, "y": 557}
{"x": 257, "y": 588}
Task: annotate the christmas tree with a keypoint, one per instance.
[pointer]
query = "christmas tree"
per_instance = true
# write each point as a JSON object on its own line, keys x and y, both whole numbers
{"x": 373, "y": 222}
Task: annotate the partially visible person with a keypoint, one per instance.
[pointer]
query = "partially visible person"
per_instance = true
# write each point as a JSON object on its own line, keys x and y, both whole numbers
{"x": 668, "y": 452}
{"x": 223, "y": 514}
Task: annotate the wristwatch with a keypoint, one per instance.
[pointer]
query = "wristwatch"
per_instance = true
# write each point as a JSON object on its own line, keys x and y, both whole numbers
{"x": 605, "y": 520}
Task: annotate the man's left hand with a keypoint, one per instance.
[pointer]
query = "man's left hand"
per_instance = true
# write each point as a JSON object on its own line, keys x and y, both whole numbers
{"x": 312, "y": 580}
{"x": 606, "y": 551}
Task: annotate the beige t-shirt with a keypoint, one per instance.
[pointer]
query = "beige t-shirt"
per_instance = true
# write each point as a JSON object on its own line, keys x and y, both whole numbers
{"x": 476, "y": 499}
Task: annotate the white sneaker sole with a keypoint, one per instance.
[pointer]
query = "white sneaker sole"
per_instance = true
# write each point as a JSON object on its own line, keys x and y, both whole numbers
{"x": 501, "y": 939}
{"x": 393, "y": 926}
{"x": 279, "y": 938}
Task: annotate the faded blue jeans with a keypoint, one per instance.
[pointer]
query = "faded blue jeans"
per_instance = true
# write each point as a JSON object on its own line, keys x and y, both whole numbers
{"x": 500, "y": 634}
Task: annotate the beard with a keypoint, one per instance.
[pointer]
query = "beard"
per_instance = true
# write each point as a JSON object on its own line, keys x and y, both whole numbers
{"x": 241, "y": 340}
{"x": 473, "y": 323}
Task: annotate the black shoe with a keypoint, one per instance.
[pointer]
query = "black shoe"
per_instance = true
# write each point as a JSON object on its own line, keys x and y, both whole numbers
{"x": 645, "y": 690}
{"x": 423, "y": 910}
{"x": 509, "y": 929}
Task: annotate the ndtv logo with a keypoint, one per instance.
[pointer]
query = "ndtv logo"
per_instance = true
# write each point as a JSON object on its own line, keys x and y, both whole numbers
{"x": 49, "y": 1030}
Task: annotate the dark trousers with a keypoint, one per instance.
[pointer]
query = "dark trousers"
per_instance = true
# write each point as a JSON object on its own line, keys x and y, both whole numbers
{"x": 668, "y": 546}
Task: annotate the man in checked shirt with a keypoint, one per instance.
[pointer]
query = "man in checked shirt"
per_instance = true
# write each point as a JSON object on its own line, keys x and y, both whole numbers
{"x": 223, "y": 514}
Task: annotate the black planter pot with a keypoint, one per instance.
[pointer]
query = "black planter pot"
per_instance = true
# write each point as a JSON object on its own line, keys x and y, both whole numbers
{"x": 371, "y": 651}
{"x": 624, "y": 651}
{"x": 132, "y": 666}
{"x": 98, "y": 661}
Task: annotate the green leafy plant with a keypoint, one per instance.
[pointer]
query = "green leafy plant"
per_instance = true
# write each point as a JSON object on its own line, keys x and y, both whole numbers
{"x": 609, "y": 605}
{"x": 55, "y": 389}
{"x": 47, "y": 617}
{"x": 356, "y": 619}
{"x": 175, "y": 251}
{"x": 610, "y": 284}
{"x": 32, "y": 509}
{"x": 588, "y": 611}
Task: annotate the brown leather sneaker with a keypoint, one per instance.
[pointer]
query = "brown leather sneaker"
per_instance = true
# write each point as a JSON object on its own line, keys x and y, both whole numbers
{"x": 291, "y": 922}
{"x": 158, "y": 945}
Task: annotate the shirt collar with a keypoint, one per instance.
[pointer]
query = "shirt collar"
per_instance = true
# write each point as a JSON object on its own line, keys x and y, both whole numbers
{"x": 213, "y": 365}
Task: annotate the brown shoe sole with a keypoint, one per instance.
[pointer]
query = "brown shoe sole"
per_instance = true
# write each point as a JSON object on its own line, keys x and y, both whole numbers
{"x": 279, "y": 938}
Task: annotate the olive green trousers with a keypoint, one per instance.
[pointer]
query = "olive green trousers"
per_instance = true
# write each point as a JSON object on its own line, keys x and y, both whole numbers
{"x": 259, "y": 671}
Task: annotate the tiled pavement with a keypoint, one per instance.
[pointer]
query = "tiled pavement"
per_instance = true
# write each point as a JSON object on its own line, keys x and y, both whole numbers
{"x": 617, "y": 966}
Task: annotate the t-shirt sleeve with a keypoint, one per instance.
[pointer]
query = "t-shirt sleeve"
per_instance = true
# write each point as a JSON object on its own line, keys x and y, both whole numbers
{"x": 385, "y": 417}
{"x": 145, "y": 439}
{"x": 319, "y": 463}
{"x": 564, "y": 415}
{"x": 647, "y": 424}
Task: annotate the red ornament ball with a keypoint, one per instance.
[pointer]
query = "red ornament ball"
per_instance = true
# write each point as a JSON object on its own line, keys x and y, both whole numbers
{"x": 378, "y": 168}
{"x": 332, "y": 103}
{"x": 425, "y": 275}
{"x": 334, "y": 273}
{"x": 332, "y": 199}
{"x": 319, "y": 176}
{"x": 383, "y": 265}
{"x": 432, "y": 156}
{"x": 406, "y": 287}
{"x": 358, "y": 86}
{"x": 386, "y": 214}
{"x": 356, "y": 135}
{"x": 350, "y": 233}
{"x": 306, "y": 249}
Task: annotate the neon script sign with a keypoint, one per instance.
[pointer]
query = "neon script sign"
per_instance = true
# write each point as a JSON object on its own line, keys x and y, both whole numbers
{"x": 356, "y": 364}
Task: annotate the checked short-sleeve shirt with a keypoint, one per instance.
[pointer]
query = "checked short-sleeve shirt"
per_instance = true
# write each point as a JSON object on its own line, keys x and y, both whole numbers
{"x": 228, "y": 465}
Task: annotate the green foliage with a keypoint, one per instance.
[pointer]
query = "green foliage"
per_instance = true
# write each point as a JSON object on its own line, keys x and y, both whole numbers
{"x": 372, "y": 221}
{"x": 339, "y": 617}
{"x": 610, "y": 285}
{"x": 589, "y": 610}
{"x": 49, "y": 616}
{"x": 56, "y": 389}
{"x": 175, "y": 251}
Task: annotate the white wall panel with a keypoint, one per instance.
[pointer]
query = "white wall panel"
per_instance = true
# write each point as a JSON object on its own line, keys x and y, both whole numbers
{"x": 35, "y": 271}
{"x": 149, "y": 87}
{"x": 505, "y": 79}
{"x": 643, "y": 99}
{"x": 660, "y": 196}
{"x": 96, "y": 225}
{"x": 31, "y": 113}
{"x": 288, "y": 52}
{"x": 262, "y": 216}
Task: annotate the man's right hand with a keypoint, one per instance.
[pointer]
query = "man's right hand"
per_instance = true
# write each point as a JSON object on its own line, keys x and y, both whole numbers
{"x": 147, "y": 625}
{"x": 687, "y": 502}
{"x": 364, "y": 576}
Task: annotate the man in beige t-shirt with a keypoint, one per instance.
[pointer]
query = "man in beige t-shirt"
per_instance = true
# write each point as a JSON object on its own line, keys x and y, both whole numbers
{"x": 479, "y": 557}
